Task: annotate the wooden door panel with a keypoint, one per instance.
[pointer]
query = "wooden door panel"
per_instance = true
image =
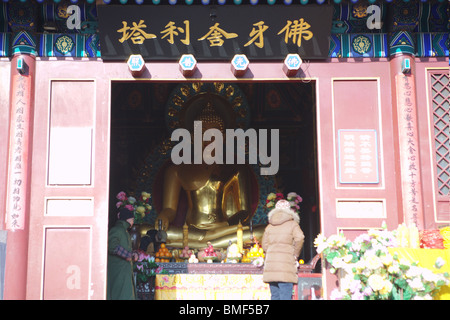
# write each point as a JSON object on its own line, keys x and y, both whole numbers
{"x": 67, "y": 263}
{"x": 70, "y": 178}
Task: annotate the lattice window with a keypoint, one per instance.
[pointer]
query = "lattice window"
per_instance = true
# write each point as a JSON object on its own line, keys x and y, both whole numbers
{"x": 440, "y": 90}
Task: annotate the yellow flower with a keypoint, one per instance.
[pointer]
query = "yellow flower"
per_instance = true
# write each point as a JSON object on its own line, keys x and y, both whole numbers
{"x": 145, "y": 195}
{"x": 140, "y": 210}
{"x": 271, "y": 196}
{"x": 387, "y": 287}
{"x": 386, "y": 259}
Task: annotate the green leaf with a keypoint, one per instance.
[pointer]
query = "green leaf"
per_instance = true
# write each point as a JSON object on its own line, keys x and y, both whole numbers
{"x": 403, "y": 267}
{"x": 408, "y": 294}
{"x": 440, "y": 283}
{"x": 331, "y": 256}
{"x": 396, "y": 295}
{"x": 401, "y": 283}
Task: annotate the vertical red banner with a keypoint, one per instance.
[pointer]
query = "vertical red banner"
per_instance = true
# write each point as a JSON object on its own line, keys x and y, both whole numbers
{"x": 19, "y": 140}
{"x": 409, "y": 150}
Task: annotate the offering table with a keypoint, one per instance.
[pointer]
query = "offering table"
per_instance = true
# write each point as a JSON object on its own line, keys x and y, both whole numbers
{"x": 211, "y": 281}
{"x": 217, "y": 281}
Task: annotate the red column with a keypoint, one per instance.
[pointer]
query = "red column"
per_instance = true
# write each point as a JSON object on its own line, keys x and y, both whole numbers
{"x": 408, "y": 141}
{"x": 18, "y": 179}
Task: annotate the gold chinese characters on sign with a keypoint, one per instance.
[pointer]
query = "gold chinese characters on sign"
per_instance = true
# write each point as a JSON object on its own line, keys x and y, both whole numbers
{"x": 294, "y": 31}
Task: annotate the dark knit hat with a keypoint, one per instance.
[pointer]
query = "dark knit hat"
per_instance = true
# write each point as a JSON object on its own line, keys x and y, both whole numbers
{"x": 125, "y": 214}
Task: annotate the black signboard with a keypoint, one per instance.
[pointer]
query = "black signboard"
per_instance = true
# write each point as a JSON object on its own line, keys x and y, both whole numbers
{"x": 166, "y": 32}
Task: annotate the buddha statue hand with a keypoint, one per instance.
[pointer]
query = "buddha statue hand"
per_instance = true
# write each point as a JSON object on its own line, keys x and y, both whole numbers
{"x": 165, "y": 216}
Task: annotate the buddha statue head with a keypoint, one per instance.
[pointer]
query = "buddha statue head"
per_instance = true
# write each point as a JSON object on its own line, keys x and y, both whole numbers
{"x": 213, "y": 110}
{"x": 210, "y": 118}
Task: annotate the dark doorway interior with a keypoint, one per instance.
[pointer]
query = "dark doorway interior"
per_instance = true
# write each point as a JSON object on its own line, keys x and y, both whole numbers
{"x": 140, "y": 125}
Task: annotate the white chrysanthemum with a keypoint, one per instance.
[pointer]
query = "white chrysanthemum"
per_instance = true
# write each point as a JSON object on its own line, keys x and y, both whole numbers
{"x": 386, "y": 259}
{"x": 416, "y": 284}
{"x": 373, "y": 262}
{"x": 413, "y": 272}
{"x": 376, "y": 282}
{"x": 394, "y": 268}
{"x": 428, "y": 275}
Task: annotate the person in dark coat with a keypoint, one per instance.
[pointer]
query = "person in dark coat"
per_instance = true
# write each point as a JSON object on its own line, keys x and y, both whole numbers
{"x": 282, "y": 242}
{"x": 120, "y": 284}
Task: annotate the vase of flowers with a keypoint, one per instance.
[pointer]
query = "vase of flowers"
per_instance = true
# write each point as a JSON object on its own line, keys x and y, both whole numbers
{"x": 140, "y": 205}
{"x": 145, "y": 271}
{"x": 141, "y": 208}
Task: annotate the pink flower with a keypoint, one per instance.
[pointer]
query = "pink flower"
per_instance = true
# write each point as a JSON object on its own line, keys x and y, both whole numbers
{"x": 142, "y": 256}
{"x": 118, "y": 204}
{"x": 129, "y": 207}
{"x": 122, "y": 196}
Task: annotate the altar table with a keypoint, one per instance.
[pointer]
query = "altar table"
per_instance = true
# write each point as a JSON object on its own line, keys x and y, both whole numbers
{"x": 211, "y": 287}
{"x": 426, "y": 258}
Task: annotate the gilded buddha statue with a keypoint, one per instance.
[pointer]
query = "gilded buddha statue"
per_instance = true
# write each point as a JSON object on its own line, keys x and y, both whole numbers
{"x": 218, "y": 195}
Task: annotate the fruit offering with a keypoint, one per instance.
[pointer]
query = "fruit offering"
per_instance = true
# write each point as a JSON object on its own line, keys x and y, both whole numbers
{"x": 186, "y": 253}
{"x": 163, "y": 254}
{"x": 193, "y": 259}
{"x": 254, "y": 253}
{"x": 233, "y": 254}
{"x": 209, "y": 251}
{"x": 209, "y": 254}
{"x": 245, "y": 258}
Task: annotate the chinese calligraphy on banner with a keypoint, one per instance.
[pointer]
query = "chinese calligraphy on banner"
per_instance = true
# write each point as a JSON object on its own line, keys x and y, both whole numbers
{"x": 358, "y": 156}
{"x": 260, "y": 32}
{"x": 18, "y": 157}
{"x": 409, "y": 149}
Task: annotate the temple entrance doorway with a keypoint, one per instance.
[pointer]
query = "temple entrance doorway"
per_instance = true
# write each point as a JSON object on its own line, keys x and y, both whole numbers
{"x": 144, "y": 114}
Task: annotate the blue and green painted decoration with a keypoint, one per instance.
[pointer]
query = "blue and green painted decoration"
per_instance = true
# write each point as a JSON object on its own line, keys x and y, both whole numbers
{"x": 419, "y": 28}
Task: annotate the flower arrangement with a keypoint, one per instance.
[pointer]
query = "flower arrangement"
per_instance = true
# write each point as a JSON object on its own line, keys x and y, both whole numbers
{"x": 370, "y": 272}
{"x": 140, "y": 206}
{"x": 146, "y": 267}
{"x": 293, "y": 198}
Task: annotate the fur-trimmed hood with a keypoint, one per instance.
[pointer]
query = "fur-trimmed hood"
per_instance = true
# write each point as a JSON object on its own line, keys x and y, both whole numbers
{"x": 278, "y": 216}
